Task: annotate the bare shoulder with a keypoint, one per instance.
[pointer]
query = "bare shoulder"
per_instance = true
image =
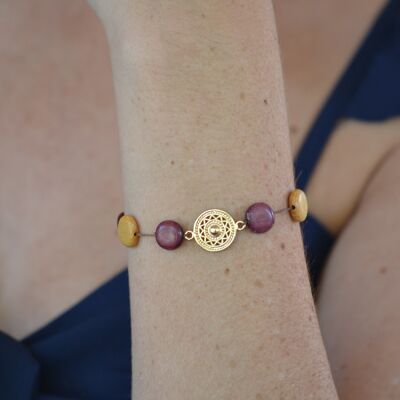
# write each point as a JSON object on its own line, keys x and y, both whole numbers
{"x": 59, "y": 161}
{"x": 359, "y": 296}
{"x": 317, "y": 39}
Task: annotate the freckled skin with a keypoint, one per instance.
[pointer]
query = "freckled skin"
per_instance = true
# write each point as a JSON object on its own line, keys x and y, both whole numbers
{"x": 222, "y": 143}
{"x": 293, "y": 129}
{"x": 358, "y": 305}
{"x": 144, "y": 119}
{"x": 49, "y": 72}
{"x": 258, "y": 284}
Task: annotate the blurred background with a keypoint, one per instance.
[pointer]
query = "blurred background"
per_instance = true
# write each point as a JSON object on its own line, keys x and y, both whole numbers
{"x": 60, "y": 184}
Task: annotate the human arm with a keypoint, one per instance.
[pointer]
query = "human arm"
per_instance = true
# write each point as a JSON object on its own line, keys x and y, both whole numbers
{"x": 203, "y": 125}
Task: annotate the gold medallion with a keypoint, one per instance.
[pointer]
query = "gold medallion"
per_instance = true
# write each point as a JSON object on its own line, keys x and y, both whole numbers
{"x": 214, "y": 230}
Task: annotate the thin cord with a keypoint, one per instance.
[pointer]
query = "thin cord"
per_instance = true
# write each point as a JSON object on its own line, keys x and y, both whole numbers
{"x": 284, "y": 210}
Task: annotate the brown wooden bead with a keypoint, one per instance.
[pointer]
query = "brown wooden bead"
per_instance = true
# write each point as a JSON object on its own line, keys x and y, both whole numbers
{"x": 298, "y": 205}
{"x": 128, "y": 231}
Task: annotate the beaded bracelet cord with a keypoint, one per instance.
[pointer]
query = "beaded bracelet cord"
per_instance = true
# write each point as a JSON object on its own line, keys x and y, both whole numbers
{"x": 214, "y": 229}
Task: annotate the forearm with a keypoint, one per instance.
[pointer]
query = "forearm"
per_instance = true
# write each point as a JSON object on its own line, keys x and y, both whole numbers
{"x": 203, "y": 125}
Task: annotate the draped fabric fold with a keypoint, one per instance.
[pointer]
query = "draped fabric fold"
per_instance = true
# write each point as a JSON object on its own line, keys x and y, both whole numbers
{"x": 83, "y": 354}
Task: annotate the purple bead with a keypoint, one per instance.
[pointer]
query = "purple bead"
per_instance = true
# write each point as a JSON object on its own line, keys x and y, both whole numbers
{"x": 169, "y": 235}
{"x": 260, "y": 217}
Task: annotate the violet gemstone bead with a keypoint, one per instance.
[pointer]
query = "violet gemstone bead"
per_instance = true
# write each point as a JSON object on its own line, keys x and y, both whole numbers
{"x": 260, "y": 217}
{"x": 169, "y": 235}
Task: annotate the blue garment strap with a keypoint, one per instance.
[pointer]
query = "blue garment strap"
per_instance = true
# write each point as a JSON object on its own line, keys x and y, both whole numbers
{"x": 348, "y": 86}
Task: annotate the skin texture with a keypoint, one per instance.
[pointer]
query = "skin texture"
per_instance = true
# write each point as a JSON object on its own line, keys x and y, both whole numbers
{"x": 59, "y": 161}
{"x": 36, "y": 284}
{"x": 203, "y": 124}
{"x": 318, "y": 39}
{"x": 27, "y": 270}
{"x": 359, "y": 296}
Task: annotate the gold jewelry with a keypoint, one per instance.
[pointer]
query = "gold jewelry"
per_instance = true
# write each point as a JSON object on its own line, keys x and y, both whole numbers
{"x": 214, "y": 230}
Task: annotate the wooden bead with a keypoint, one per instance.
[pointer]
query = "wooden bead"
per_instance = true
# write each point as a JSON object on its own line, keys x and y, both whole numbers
{"x": 298, "y": 205}
{"x": 128, "y": 231}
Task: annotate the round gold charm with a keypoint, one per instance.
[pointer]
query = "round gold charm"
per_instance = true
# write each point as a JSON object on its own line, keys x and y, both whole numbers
{"x": 214, "y": 230}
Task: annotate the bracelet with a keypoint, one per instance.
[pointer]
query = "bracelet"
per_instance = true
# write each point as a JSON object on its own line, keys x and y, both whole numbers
{"x": 214, "y": 229}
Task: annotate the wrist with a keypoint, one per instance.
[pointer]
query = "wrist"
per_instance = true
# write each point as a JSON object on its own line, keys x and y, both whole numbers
{"x": 139, "y": 27}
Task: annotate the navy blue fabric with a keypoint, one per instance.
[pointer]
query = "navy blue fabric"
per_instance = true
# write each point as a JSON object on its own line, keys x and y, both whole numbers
{"x": 85, "y": 354}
